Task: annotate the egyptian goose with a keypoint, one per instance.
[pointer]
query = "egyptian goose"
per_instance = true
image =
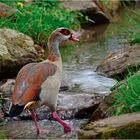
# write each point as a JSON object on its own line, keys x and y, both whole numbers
{"x": 38, "y": 84}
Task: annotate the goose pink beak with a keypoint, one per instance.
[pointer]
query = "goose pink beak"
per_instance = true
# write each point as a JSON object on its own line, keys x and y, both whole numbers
{"x": 73, "y": 38}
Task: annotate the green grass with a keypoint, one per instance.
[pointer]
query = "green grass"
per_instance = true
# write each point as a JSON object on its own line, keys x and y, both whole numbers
{"x": 134, "y": 31}
{"x": 38, "y": 20}
{"x": 127, "y": 96}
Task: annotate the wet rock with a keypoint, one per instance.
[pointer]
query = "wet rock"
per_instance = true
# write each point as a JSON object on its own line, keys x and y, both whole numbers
{"x": 6, "y": 11}
{"x": 70, "y": 106}
{"x": 98, "y": 11}
{"x": 102, "y": 110}
{"x": 88, "y": 8}
{"x": 111, "y": 8}
{"x": 16, "y": 50}
{"x": 78, "y": 5}
{"x": 26, "y": 129}
{"x": 124, "y": 126}
{"x": 78, "y": 106}
{"x": 118, "y": 63}
{"x": 7, "y": 88}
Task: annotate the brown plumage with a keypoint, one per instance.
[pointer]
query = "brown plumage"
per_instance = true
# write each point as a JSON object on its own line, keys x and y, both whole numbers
{"x": 38, "y": 83}
{"x": 34, "y": 75}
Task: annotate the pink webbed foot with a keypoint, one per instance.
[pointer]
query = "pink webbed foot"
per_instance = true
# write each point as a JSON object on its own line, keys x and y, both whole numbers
{"x": 67, "y": 128}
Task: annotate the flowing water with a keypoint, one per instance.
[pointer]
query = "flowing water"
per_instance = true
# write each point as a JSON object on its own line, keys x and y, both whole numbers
{"x": 80, "y": 61}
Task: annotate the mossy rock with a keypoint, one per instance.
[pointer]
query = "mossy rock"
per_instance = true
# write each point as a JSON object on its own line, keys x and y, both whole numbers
{"x": 102, "y": 110}
{"x": 16, "y": 50}
{"x": 118, "y": 63}
{"x": 124, "y": 126}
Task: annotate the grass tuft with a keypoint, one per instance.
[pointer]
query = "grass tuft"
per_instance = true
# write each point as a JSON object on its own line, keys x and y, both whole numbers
{"x": 128, "y": 96}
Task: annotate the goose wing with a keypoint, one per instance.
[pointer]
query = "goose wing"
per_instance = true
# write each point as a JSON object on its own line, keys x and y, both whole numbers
{"x": 29, "y": 81}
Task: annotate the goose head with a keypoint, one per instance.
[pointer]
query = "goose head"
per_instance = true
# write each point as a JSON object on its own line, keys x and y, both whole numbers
{"x": 62, "y": 34}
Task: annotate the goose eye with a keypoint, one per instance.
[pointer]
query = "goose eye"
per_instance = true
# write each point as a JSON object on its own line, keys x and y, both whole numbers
{"x": 65, "y": 32}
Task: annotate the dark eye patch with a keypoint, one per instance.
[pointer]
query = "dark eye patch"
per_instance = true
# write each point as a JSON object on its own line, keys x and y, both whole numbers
{"x": 65, "y": 32}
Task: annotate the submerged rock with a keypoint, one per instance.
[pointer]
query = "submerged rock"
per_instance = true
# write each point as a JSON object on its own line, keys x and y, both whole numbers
{"x": 124, "y": 126}
{"x": 16, "y": 50}
{"x": 118, "y": 63}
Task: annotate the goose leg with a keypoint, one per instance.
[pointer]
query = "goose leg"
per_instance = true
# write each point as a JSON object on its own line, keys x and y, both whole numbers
{"x": 67, "y": 128}
{"x": 35, "y": 121}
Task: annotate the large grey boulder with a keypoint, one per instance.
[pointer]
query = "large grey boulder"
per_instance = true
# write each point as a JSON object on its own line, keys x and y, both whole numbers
{"x": 16, "y": 50}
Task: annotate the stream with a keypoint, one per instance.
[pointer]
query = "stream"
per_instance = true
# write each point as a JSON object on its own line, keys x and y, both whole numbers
{"x": 79, "y": 63}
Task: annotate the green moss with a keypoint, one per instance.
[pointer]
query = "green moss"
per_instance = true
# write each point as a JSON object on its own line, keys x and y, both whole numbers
{"x": 130, "y": 131}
